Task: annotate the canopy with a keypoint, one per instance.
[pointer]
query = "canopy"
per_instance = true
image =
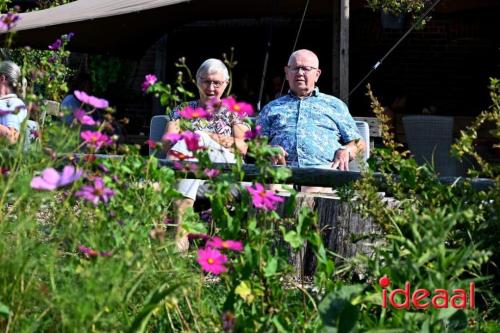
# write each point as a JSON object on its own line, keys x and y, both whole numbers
{"x": 111, "y": 26}
{"x": 128, "y": 27}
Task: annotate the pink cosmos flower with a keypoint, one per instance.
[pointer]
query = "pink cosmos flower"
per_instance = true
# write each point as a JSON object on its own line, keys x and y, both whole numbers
{"x": 241, "y": 108}
{"x": 211, "y": 173}
{"x": 218, "y": 243}
{"x": 98, "y": 103}
{"x": 263, "y": 199}
{"x": 192, "y": 140}
{"x": 8, "y": 21}
{"x": 56, "y": 45}
{"x": 96, "y": 192}
{"x": 253, "y": 133}
{"x": 212, "y": 261}
{"x": 186, "y": 167}
{"x": 193, "y": 113}
{"x": 149, "y": 80}
{"x": 151, "y": 143}
{"x": 51, "y": 179}
{"x": 96, "y": 139}
{"x": 178, "y": 155}
{"x": 92, "y": 253}
{"x": 172, "y": 137}
{"x": 83, "y": 117}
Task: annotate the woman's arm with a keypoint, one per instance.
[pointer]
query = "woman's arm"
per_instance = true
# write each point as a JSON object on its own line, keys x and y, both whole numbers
{"x": 172, "y": 127}
{"x": 237, "y": 140}
{"x": 10, "y": 133}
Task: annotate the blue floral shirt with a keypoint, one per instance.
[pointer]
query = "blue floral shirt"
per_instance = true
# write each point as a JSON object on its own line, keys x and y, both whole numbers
{"x": 310, "y": 129}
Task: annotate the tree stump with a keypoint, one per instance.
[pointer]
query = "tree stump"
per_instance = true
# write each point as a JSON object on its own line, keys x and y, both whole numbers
{"x": 344, "y": 231}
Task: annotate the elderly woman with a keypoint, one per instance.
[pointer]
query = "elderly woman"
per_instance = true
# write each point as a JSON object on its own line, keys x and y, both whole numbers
{"x": 221, "y": 134}
{"x": 12, "y": 109}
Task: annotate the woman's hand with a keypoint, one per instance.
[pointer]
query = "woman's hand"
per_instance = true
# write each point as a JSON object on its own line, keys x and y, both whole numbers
{"x": 223, "y": 140}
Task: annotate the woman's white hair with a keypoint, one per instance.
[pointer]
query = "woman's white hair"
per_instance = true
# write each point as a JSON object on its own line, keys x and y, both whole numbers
{"x": 11, "y": 71}
{"x": 212, "y": 66}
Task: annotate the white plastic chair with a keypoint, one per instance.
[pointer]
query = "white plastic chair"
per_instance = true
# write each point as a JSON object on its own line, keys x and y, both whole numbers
{"x": 364, "y": 131}
{"x": 429, "y": 140}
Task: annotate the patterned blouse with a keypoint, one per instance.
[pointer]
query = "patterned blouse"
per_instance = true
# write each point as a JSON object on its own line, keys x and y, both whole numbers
{"x": 221, "y": 123}
{"x": 311, "y": 130}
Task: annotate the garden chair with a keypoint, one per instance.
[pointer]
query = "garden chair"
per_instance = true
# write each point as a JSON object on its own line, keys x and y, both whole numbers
{"x": 429, "y": 140}
{"x": 364, "y": 130}
{"x": 156, "y": 131}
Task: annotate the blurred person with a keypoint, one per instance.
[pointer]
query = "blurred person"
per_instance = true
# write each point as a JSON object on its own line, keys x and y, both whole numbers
{"x": 12, "y": 109}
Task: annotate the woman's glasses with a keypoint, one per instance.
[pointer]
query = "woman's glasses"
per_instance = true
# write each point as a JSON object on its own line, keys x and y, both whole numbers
{"x": 208, "y": 83}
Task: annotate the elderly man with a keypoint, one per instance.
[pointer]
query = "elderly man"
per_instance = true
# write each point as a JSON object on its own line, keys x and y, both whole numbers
{"x": 312, "y": 129}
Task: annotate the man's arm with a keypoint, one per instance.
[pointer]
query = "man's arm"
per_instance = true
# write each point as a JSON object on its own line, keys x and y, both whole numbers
{"x": 347, "y": 154}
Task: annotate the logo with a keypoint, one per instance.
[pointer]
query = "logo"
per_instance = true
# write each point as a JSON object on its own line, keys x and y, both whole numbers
{"x": 422, "y": 298}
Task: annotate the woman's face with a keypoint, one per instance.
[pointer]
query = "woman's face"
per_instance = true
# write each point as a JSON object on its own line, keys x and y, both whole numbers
{"x": 211, "y": 86}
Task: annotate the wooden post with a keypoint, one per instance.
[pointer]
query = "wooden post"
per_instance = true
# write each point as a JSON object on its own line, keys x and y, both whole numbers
{"x": 344, "y": 50}
{"x": 336, "y": 48}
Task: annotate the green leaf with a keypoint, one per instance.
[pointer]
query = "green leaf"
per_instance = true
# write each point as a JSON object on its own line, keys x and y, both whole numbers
{"x": 4, "y": 310}
{"x": 271, "y": 267}
{"x": 294, "y": 239}
{"x": 154, "y": 300}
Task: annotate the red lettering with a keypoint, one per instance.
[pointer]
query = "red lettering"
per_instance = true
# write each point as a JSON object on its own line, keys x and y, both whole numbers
{"x": 384, "y": 298}
{"x": 405, "y": 292}
{"x": 472, "y": 295}
{"x": 459, "y": 295}
{"x": 419, "y": 295}
{"x": 443, "y": 295}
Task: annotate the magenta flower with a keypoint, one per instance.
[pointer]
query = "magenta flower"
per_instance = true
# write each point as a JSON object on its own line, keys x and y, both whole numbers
{"x": 186, "y": 167}
{"x": 67, "y": 37}
{"x": 96, "y": 192}
{"x": 218, "y": 243}
{"x": 151, "y": 143}
{"x": 172, "y": 137}
{"x": 83, "y": 117}
{"x": 193, "y": 113}
{"x": 211, "y": 173}
{"x": 253, "y": 133}
{"x": 262, "y": 198}
{"x": 149, "y": 80}
{"x": 95, "y": 139}
{"x": 92, "y": 253}
{"x": 241, "y": 108}
{"x": 51, "y": 179}
{"x": 192, "y": 140}
{"x": 87, "y": 251}
{"x": 8, "y": 21}
{"x": 96, "y": 102}
{"x": 56, "y": 45}
{"x": 212, "y": 261}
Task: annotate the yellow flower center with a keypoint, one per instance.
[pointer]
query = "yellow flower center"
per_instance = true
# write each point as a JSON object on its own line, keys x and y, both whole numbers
{"x": 210, "y": 261}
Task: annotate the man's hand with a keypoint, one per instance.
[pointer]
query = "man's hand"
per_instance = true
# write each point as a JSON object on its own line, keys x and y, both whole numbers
{"x": 341, "y": 160}
{"x": 280, "y": 158}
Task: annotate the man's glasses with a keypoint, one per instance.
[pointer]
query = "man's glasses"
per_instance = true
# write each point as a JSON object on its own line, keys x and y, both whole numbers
{"x": 305, "y": 69}
{"x": 217, "y": 84}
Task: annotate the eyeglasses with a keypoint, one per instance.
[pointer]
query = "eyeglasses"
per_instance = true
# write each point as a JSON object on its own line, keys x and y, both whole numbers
{"x": 217, "y": 84}
{"x": 305, "y": 69}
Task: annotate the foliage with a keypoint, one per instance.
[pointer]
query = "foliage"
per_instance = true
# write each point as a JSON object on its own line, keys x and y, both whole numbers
{"x": 398, "y": 7}
{"x": 97, "y": 254}
{"x": 106, "y": 72}
{"x": 47, "y": 71}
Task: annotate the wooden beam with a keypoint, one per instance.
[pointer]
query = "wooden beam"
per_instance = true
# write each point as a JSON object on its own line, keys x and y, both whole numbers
{"x": 336, "y": 48}
{"x": 311, "y": 176}
{"x": 344, "y": 50}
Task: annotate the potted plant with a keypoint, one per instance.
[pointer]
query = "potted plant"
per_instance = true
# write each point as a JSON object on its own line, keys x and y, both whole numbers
{"x": 393, "y": 12}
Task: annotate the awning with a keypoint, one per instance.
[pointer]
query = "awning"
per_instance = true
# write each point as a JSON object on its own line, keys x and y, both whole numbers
{"x": 128, "y": 27}
{"x": 105, "y": 26}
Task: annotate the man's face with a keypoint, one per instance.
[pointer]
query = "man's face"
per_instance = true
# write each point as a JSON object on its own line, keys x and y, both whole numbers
{"x": 302, "y": 73}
